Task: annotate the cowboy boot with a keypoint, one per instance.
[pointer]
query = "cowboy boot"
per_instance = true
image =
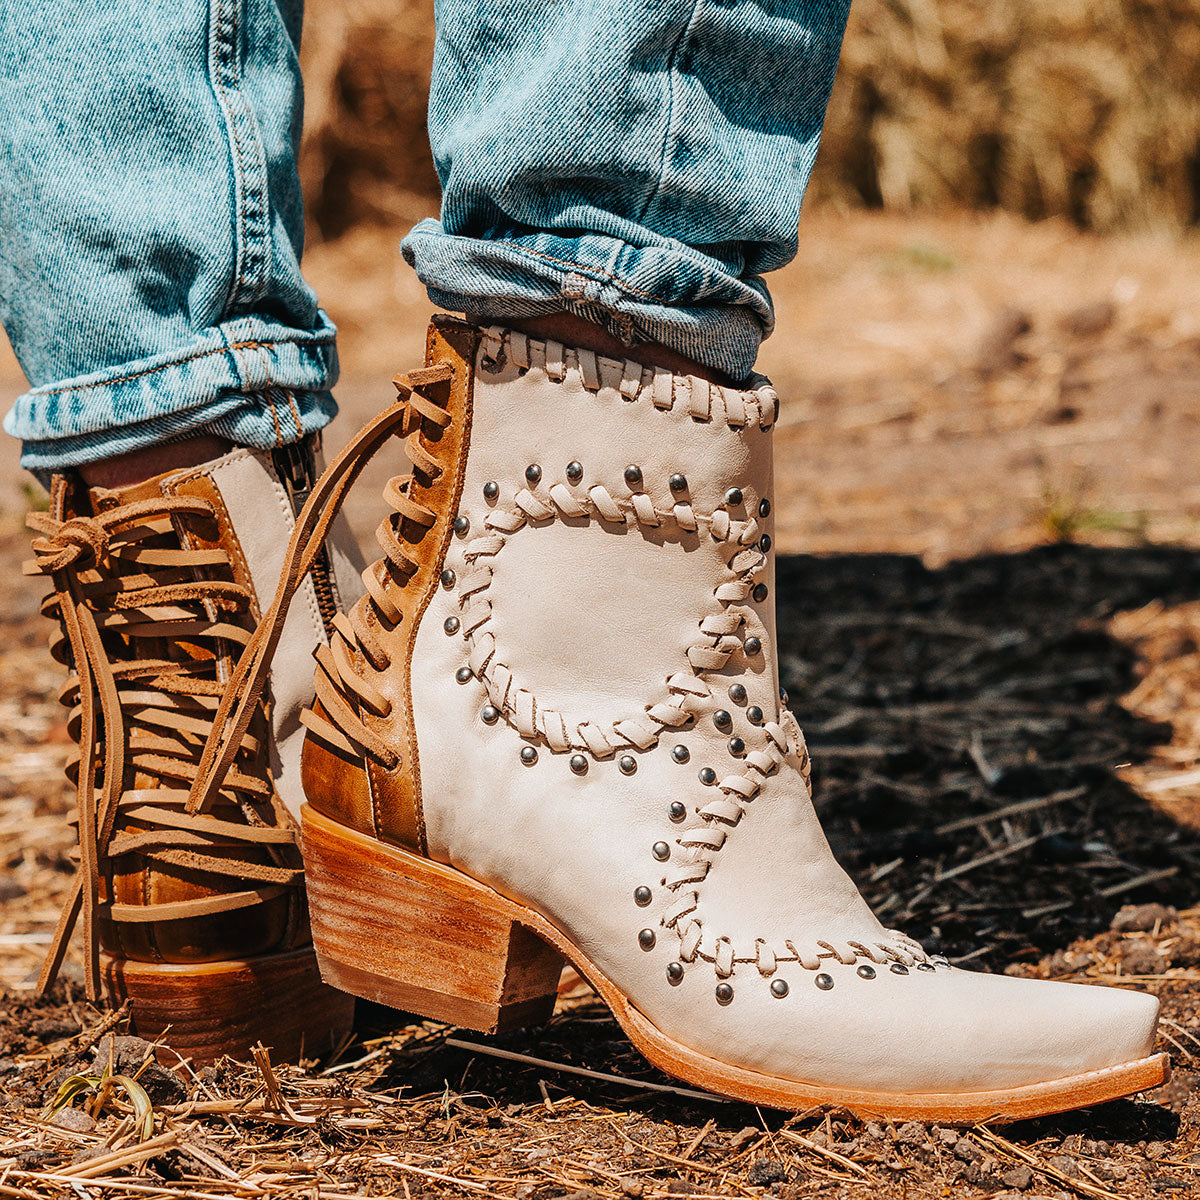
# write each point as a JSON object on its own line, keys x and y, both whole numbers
{"x": 196, "y": 917}
{"x": 552, "y": 731}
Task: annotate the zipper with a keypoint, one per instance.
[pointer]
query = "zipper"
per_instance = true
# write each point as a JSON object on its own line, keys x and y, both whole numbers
{"x": 296, "y": 467}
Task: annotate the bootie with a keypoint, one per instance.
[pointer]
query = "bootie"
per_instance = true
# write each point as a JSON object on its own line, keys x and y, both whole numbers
{"x": 552, "y": 730}
{"x": 198, "y": 918}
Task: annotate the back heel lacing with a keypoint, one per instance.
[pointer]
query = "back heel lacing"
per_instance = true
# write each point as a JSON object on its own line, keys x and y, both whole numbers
{"x": 345, "y": 691}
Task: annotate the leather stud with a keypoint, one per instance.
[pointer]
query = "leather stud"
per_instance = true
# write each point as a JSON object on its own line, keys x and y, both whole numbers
{"x": 642, "y": 896}
{"x": 579, "y": 764}
{"x": 491, "y": 490}
{"x": 733, "y": 497}
{"x": 460, "y": 525}
{"x": 783, "y": 696}
{"x": 678, "y": 483}
{"x": 760, "y": 592}
{"x": 824, "y": 982}
{"x": 752, "y": 646}
{"x": 865, "y": 972}
{"x": 724, "y": 993}
{"x": 940, "y": 960}
{"x": 464, "y": 674}
{"x": 676, "y": 811}
{"x": 533, "y": 473}
{"x": 447, "y": 578}
{"x": 722, "y": 720}
{"x": 779, "y": 988}
{"x": 646, "y": 939}
{"x": 899, "y": 969}
{"x": 574, "y": 472}
{"x": 528, "y": 755}
{"x": 764, "y": 507}
{"x": 674, "y": 973}
{"x": 633, "y": 476}
{"x": 926, "y": 967}
{"x": 737, "y": 693}
{"x": 737, "y": 747}
{"x": 627, "y": 764}
{"x": 661, "y": 851}
{"x": 450, "y": 625}
{"x": 754, "y": 715}
{"x": 708, "y": 776}
{"x": 681, "y": 754}
{"x": 764, "y": 542}
{"x": 490, "y": 714}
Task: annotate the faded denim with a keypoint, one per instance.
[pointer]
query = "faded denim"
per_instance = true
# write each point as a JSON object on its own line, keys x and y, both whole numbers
{"x": 639, "y": 162}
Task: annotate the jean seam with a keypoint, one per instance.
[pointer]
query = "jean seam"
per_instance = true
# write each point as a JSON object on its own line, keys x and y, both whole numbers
{"x": 672, "y": 97}
{"x": 574, "y": 266}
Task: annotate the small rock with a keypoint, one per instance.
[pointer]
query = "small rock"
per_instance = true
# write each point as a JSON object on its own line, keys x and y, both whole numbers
{"x": 911, "y": 1133}
{"x": 161, "y": 1085}
{"x": 131, "y": 1052}
{"x": 632, "y": 1187}
{"x": 743, "y": 1138}
{"x": 1089, "y": 319}
{"x": 581, "y": 1194}
{"x": 1142, "y": 958}
{"x": 1157, "y": 1150}
{"x": 966, "y": 1150}
{"x": 1110, "y": 1172}
{"x": 1018, "y": 1177}
{"x": 74, "y": 1119}
{"x": 764, "y": 1171}
{"x": 1166, "y": 1183}
{"x": 53, "y": 1029}
{"x": 948, "y": 1137}
{"x": 874, "y": 1130}
{"x": 1064, "y": 1164}
{"x": 1141, "y": 918}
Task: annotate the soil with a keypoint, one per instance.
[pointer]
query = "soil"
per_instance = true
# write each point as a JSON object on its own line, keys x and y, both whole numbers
{"x": 989, "y": 612}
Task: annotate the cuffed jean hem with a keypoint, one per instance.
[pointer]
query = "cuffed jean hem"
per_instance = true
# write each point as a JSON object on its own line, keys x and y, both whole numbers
{"x": 666, "y": 293}
{"x": 251, "y": 380}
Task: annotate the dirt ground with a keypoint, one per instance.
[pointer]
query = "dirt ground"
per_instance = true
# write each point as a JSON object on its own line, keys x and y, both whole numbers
{"x": 989, "y": 601}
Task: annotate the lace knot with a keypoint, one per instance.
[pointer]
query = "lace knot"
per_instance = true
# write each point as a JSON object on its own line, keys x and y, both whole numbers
{"x": 79, "y": 542}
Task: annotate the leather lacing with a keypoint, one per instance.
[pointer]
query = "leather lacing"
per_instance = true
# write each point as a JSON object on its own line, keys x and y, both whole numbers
{"x": 149, "y": 625}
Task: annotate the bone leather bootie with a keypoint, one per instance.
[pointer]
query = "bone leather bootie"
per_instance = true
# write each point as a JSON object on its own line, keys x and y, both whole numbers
{"x": 197, "y": 917}
{"x": 553, "y": 730}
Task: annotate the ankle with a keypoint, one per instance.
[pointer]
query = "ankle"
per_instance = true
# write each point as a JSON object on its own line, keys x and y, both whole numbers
{"x": 136, "y": 466}
{"x": 587, "y": 335}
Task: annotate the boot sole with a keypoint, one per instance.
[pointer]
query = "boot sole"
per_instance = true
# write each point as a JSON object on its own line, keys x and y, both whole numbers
{"x": 413, "y": 934}
{"x": 206, "y": 1010}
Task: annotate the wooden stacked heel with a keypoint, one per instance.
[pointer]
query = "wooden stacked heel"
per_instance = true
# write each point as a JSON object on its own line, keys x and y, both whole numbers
{"x": 409, "y": 933}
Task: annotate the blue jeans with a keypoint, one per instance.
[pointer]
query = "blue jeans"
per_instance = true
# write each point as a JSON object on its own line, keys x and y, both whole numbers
{"x": 638, "y": 162}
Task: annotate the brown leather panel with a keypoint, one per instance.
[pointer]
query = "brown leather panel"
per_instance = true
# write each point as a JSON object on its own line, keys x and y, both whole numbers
{"x": 336, "y": 785}
{"x": 397, "y": 793}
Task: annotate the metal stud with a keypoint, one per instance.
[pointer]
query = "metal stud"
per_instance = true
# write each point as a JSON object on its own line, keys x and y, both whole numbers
{"x": 722, "y": 720}
{"x": 464, "y": 674}
{"x": 646, "y": 939}
{"x": 661, "y": 851}
{"x": 737, "y": 747}
{"x": 760, "y": 592}
{"x": 460, "y": 525}
{"x": 579, "y": 764}
{"x": 708, "y": 776}
{"x": 824, "y": 982}
{"x": 676, "y": 811}
{"x": 724, "y": 993}
{"x": 633, "y": 476}
{"x": 754, "y": 715}
{"x": 490, "y": 714}
{"x": 642, "y": 896}
{"x": 779, "y": 988}
{"x": 528, "y": 755}
{"x": 678, "y": 483}
{"x": 866, "y": 972}
{"x": 752, "y": 646}
{"x": 674, "y": 973}
{"x": 899, "y": 969}
{"x": 737, "y": 694}
{"x": 764, "y": 542}
{"x": 574, "y": 472}
{"x": 450, "y": 625}
{"x": 940, "y": 960}
{"x": 491, "y": 490}
{"x": 627, "y": 764}
{"x": 764, "y": 507}
{"x": 447, "y": 578}
{"x": 533, "y": 473}
{"x": 733, "y": 497}
{"x": 926, "y": 967}
{"x": 681, "y": 754}
{"x": 783, "y": 696}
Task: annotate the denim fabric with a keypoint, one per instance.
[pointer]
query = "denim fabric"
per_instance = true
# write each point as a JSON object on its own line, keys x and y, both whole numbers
{"x": 151, "y": 226}
{"x": 640, "y": 161}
